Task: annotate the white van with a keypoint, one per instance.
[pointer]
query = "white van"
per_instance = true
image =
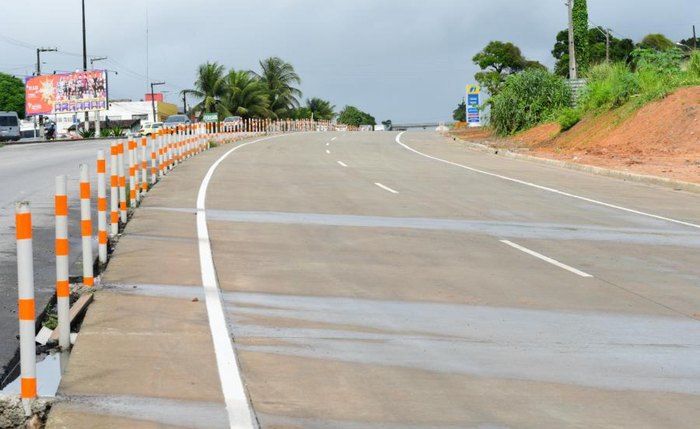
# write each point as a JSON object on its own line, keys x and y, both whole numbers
{"x": 9, "y": 126}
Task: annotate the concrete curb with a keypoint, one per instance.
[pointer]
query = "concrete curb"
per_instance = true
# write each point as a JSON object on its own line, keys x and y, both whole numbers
{"x": 600, "y": 171}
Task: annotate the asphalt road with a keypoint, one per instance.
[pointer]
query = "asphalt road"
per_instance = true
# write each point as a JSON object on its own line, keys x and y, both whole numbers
{"x": 370, "y": 285}
{"x": 27, "y": 172}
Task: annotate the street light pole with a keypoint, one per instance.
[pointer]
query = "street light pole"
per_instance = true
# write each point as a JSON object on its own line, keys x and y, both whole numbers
{"x": 153, "y": 99}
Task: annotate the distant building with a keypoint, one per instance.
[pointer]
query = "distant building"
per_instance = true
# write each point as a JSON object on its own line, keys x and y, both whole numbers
{"x": 125, "y": 113}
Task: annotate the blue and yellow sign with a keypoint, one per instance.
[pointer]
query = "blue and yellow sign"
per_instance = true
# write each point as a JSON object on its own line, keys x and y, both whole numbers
{"x": 473, "y": 101}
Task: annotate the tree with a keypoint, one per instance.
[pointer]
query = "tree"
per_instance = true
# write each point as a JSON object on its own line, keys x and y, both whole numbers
{"x": 209, "y": 87}
{"x": 690, "y": 43}
{"x": 351, "y": 115}
{"x": 11, "y": 94}
{"x": 620, "y": 50}
{"x": 498, "y": 60}
{"x": 460, "y": 113}
{"x": 388, "y": 125}
{"x": 244, "y": 96}
{"x": 280, "y": 79}
{"x": 658, "y": 42}
{"x": 580, "y": 17}
{"x": 321, "y": 109}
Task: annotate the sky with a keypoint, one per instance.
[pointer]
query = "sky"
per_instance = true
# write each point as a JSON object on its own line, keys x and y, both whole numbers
{"x": 404, "y": 60}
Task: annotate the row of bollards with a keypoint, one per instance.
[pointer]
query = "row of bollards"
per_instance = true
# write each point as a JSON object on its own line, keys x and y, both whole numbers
{"x": 168, "y": 148}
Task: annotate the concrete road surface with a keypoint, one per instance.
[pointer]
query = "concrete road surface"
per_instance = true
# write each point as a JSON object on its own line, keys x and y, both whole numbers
{"x": 376, "y": 282}
{"x": 27, "y": 172}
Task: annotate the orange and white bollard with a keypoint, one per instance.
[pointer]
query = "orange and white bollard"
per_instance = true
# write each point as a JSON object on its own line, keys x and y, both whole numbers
{"x": 114, "y": 190}
{"x": 122, "y": 183}
{"x": 154, "y": 160}
{"x": 144, "y": 166}
{"x": 101, "y": 207}
{"x": 132, "y": 175}
{"x": 62, "y": 262}
{"x": 25, "y": 284}
{"x": 86, "y": 225}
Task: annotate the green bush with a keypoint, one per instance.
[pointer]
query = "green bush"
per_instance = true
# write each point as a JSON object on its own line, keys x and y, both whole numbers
{"x": 609, "y": 86}
{"x": 116, "y": 131}
{"x": 105, "y": 132}
{"x": 694, "y": 65}
{"x": 528, "y": 99}
{"x": 568, "y": 118}
{"x": 86, "y": 134}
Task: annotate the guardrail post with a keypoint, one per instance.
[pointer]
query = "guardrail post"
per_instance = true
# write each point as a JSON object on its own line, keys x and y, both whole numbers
{"x": 86, "y": 225}
{"x": 62, "y": 262}
{"x": 101, "y": 207}
{"x": 25, "y": 284}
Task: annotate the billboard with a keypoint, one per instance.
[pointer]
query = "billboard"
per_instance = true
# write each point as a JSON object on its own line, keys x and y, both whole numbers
{"x": 158, "y": 96}
{"x": 66, "y": 93}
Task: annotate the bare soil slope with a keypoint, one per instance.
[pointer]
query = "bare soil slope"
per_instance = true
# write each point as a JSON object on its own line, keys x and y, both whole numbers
{"x": 660, "y": 139}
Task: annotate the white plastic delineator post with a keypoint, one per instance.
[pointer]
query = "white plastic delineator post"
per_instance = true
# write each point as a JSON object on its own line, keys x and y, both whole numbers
{"x": 86, "y": 225}
{"x": 62, "y": 262}
{"x": 122, "y": 183}
{"x": 144, "y": 166}
{"x": 132, "y": 174}
{"x": 101, "y": 207}
{"x": 114, "y": 189}
{"x": 25, "y": 283}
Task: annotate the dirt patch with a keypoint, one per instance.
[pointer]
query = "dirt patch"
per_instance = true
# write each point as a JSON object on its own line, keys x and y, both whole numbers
{"x": 12, "y": 413}
{"x": 660, "y": 139}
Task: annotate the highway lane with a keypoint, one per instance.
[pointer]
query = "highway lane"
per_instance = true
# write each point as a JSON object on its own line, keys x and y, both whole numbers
{"x": 27, "y": 172}
{"x": 369, "y": 286}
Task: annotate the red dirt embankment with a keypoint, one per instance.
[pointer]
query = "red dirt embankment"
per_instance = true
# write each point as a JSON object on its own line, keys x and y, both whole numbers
{"x": 660, "y": 139}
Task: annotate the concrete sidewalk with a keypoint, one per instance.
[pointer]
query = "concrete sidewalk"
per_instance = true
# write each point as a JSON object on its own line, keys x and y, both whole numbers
{"x": 147, "y": 361}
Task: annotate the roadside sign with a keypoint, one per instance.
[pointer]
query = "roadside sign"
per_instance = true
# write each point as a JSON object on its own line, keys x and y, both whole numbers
{"x": 473, "y": 98}
{"x": 211, "y": 117}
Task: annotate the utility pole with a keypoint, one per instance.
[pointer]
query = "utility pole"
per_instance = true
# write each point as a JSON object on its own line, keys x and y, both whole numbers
{"x": 573, "y": 75}
{"x": 607, "y": 45}
{"x": 38, "y": 58}
{"x": 87, "y": 117}
{"x": 38, "y": 73}
{"x": 153, "y": 99}
{"x": 695, "y": 39}
{"x": 98, "y": 120}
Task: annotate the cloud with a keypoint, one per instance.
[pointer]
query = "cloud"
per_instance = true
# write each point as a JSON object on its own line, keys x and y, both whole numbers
{"x": 405, "y": 60}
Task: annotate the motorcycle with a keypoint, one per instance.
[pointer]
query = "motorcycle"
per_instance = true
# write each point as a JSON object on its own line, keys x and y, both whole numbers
{"x": 50, "y": 131}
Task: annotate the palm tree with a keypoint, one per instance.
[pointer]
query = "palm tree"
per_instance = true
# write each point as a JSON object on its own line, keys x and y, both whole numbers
{"x": 209, "y": 87}
{"x": 245, "y": 96}
{"x": 321, "y": 109}
{"x": 280, "y": 79}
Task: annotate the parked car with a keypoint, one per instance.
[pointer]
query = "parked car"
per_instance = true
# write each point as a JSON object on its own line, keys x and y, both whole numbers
{"x": 9, "y": 126}
{"x": 174, "y": 121}
{"x": 149, "y": 128}
{"x": 233, "y": 123}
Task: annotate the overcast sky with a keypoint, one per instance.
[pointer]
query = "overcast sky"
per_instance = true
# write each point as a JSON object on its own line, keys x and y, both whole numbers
{"x": 405, "y": 60}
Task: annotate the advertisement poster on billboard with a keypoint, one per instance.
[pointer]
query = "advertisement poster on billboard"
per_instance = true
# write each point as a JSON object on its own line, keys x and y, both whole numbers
{"x": 66, "y": 93}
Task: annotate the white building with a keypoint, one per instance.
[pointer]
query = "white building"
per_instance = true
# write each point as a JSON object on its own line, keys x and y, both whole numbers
{"x": 133, "y": 112}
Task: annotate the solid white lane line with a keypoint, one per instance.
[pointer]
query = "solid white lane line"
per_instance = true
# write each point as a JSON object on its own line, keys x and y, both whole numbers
{"x": 240, "y": 414}
{"x": 342, "y": 164}
{"x": 545, "y": 188}
{"x": 386, "y": 188}
{"x": 546, "y": 259}
{"x": 328, "y": 152}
